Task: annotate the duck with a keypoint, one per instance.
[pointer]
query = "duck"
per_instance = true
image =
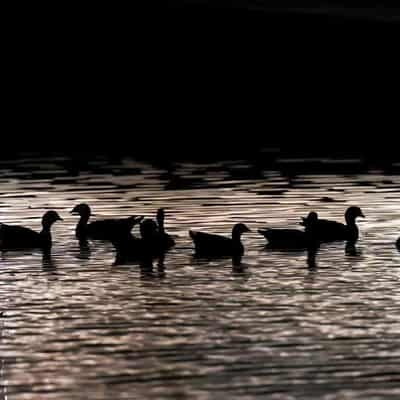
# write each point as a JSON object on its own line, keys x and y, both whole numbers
{"x": 398, "y": 243}
{"x": 14, "y": 237}
{"x": 328, "y": 231}
{"x": 215, "y": 245}
{"x": 101, "y": 230}
{"x": 287, "y": 238}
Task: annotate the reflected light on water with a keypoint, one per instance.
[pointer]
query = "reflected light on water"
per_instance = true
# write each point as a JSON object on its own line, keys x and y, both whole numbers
{"x": 277, "y": 324}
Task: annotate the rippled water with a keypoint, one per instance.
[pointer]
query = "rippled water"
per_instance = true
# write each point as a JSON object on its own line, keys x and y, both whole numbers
{"x": 77, "y": 327}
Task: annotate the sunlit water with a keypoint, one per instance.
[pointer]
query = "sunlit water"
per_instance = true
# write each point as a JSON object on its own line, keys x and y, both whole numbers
{"x": 77, "y": 327}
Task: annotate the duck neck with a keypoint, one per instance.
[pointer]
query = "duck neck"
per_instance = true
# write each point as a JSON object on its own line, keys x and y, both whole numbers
{"x": 160, "y": 223}
{"x": 81, "y": 226}
{"x": 238, "y": 248}
{"x": 46, "y": 227}
{"x": 45, "y": 235}
{"x": 350, "y": 221}
{"x": 83, "y": 220}
{"x": 352, "y": 228}
{"x": 236, "y": 237}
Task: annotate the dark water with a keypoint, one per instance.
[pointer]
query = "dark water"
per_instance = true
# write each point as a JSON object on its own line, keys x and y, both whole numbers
{"x": 76, "y": 327}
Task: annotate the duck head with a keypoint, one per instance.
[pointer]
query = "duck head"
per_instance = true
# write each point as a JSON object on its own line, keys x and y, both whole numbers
{"x": 352, "y": 213}
{"x": 238, "y": 230}
{"x": 49, "y": 218}
{"x": 311, "y": 218}
{"x": 82, "y": 210}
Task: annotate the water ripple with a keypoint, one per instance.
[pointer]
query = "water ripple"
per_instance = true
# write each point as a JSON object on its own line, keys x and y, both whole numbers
{"x": 77, "y": 327}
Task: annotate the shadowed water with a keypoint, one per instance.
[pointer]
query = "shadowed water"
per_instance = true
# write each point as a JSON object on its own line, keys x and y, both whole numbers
{"x": 275, "y": 326}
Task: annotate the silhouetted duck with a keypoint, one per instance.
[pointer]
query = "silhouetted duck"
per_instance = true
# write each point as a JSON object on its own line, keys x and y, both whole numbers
{"x": 398, "y": 243}
{"x": 18, "y": 237}
{"x": 104, "y": 229}
{"x": 287, "y": 238}
{"x": 215, "y": 245}
{"x": 328, "y": 231}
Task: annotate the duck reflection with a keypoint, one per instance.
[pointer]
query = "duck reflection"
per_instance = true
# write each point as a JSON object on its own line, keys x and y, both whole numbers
{"x": 148, "y": 270}
{"x": 84, "y": 250}
{"x": 240, "y": 269}
{"x": 238, "y": 266}
{"x": 351, "y": 249}
{"x": 311, "y": 250}
{"x": 237, "y": 261}
{"x": 312, "y": 258}
{"x": 48, "y": 262}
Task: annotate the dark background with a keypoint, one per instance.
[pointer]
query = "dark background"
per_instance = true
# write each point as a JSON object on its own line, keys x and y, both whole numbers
{"x": 192, "y": 78}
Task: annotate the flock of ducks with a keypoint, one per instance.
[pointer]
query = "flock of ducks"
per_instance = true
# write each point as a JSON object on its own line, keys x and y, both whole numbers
{"x": 154, "y": 241}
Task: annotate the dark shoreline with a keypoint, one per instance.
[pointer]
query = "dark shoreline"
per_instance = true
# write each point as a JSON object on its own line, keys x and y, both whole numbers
{"x": 188, "y": 80}
{"x": 254, "y": 161}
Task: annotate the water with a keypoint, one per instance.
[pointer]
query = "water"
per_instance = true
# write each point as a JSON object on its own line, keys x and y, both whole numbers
{"x": 77, "y": 327}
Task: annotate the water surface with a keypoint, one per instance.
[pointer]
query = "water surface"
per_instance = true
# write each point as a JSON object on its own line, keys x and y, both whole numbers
{"x": 77, "y": 327}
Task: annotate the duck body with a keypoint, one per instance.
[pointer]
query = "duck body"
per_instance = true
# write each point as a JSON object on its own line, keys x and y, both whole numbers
{"x": 128, "y": 248}
{"x": 207, "y": 244}
{"x": 398, "y": 243}
{"x": 328, "y": 231}
{"x": 19, "y": 237}
{"x": 287, "y": 238}
{"x": 108, "y": 228}
{"x": 166, "y": 241}
{"x": 104, "y": 229}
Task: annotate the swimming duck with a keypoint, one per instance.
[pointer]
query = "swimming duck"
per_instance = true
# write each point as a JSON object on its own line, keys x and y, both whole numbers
{"x": 216, "y": 245}
{"x": 398, "y": 243}
{"x": 101, "y": 230}
{"x": 328, "y": 231}
{"x": 287, "y": 238}
{"x": 18, "y": 237}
